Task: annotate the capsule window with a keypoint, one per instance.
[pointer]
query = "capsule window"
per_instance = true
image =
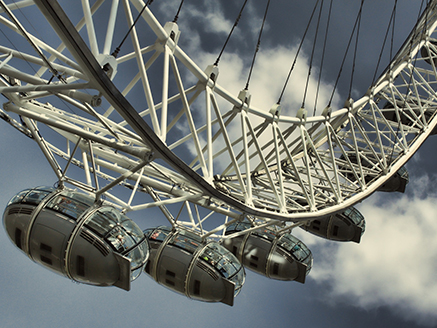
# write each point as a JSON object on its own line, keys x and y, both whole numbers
{"x": 169, "y": 282}
{"x": 68, "y": 206}
{"x": 101, "y": 223}
{"x": 266, "y": 234}
{"x": 276, "y": 268}
{"x": 18, "y": 198}
{"x": 120, "y": 239}
{"x": 18, "y": 238}
{"x": 159, "y": 235}
{"x": 184, "y": 241}
{"x": 196, "y": 287}
{"x": 316, "y": 225}
{"x": 45, "y": 247}
{"x": 35, "y": 197}
{"x": 45, "y": 259}
{"x": 147, "y": 268}
{"x": 80, "y": 266}
{"x": 335, "y": 232}
{"x": 170, "y": 273}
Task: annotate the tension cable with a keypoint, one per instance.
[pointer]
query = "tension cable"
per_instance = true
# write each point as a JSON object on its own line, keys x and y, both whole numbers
{"x": 117, "y": 50}
{"x": 356, "y": 48}
{"x": 346, "y": 52}
{"x": 391, "y": 24}
{"x": 297, "y": 53}
{"x": 312, "y": 55}
{"x": 24, "y": 33}
{"x": 230, "y": 33}
{"x": 177, "y": 14}
{"x": 323, "y": 57}
{"x": 257, "y": 45}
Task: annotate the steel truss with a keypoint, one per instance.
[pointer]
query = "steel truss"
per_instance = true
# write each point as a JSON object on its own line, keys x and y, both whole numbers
{"x": 164, "y": 130}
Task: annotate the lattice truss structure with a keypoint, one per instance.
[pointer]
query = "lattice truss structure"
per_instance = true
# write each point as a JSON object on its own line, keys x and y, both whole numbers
{"x": 149, "y": 128}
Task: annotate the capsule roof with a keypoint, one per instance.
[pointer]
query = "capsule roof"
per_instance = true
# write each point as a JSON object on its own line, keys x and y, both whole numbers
{"x": 292, "y": 245}
{"x": 356, "y": 217}
{"x": 32, "y": 196}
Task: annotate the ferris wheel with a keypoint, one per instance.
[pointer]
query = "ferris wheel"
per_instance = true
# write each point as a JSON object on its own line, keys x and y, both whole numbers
{"x": 142, "y": 126}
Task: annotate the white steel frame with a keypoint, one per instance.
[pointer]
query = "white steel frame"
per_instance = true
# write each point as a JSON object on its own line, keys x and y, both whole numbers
{"x": 278, "y": 168}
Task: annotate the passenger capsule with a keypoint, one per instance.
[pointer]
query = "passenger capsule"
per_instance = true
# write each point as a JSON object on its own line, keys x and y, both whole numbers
{"x": 398, "y": 181}
{"x": 276, "y": 256}
{"x": 410, "y": 114}
{"x": 65, "y": 231}
{"x": 204, "y": 271}
{"x": 346, "y": 226}
{"x": 429, "y": 53}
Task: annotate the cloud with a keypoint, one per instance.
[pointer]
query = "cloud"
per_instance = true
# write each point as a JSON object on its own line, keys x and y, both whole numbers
{"x": 198, "y": 22}
{"x": 395, "y": 263}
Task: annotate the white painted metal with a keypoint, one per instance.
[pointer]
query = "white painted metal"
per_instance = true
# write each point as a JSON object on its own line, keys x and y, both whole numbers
{"x": 194, "y": 146}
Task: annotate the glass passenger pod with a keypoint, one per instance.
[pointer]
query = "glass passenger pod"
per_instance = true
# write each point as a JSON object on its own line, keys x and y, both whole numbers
{"x": 18, "y": 213}
{"x": 404, "y": 113}
{"x": 66, "y": 232}
{"x": 204, "y": 271}
{"x": 32, "y": 196}
{"x": 276, "y": 256}
{"x": 397, "y": 182}
{"x": 429, "y": 53}
{"x": 122, "y": 235}
{"x": 346, "y": 226}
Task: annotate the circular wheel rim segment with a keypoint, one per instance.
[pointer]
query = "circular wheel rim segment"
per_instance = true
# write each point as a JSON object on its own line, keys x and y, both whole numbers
{"x": 192, "y": 141}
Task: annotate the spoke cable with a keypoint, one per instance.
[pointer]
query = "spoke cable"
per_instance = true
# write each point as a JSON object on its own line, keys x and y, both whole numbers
{"x": 345, "y": 55}
{"x": 24, "y": 33}
{"x": 117, "y": 50}
{"x": 297, "y": 53}
{"x": 257, "y": 45}
{"x": 176, "y": 17}
{"x": 393, "y": 33}
{"x": 230, "y": 33}
{"x": 312, "y": 54}
{"x": 15, "y": 47}
{"x": 314, "y": 151}
{"x": 390, "y": 68}
{"x": 356, "y": 49}
{"x": 54, "y": 72}
{"x": 323, "y": 57}
{"x": 391, "y": 24}
{"x": 36, "y": 33}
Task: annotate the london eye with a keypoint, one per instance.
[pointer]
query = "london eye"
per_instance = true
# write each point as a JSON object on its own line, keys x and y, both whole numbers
{"x": 129, "y": 121}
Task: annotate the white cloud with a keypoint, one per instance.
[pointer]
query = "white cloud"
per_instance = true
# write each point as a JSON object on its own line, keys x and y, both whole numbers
{"x": 396, "y": 262}
{"x": 209, "y": 16}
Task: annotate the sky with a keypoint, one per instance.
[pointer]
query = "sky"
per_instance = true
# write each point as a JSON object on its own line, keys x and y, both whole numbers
{"x": 385, "y": 281}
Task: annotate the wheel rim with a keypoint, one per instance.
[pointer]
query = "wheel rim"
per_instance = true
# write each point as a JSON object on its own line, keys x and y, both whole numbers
{"x": 323, "y": 169}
